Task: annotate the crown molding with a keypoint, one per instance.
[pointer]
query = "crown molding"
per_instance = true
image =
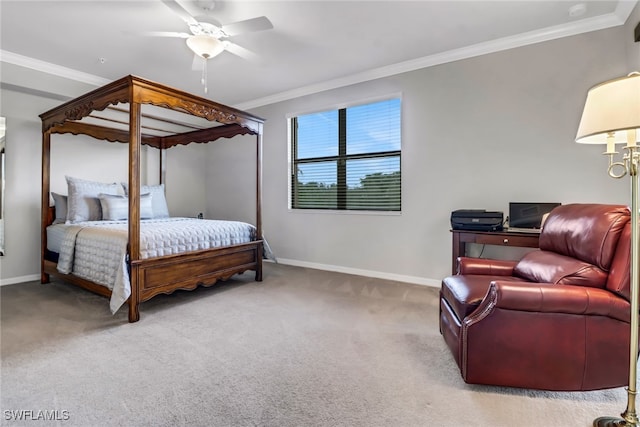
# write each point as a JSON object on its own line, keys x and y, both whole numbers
{"x": 53, "y": 69}
{"x": 624, "y": 9}
{"x": 617, "y": 18}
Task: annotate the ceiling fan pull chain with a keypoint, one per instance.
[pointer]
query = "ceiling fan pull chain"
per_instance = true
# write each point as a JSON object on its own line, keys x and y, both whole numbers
{"x": 204, "y": 75}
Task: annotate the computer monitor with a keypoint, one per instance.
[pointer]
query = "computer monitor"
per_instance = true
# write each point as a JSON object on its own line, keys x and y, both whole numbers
{"x": 528, "y": 216}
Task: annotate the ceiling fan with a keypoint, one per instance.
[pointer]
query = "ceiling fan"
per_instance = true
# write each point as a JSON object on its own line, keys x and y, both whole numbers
{"x": 208, "y": 39}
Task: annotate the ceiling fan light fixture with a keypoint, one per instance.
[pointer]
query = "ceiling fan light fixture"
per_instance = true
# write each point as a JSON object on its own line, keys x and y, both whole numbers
{"x": 205, "y": 46}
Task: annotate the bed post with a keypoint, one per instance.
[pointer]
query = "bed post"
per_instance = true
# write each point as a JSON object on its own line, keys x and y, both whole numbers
{"x": 259, "y": 202}
{"x": 46, "y": 183}
{"x": 134, "y": 208}
{"x": 162, "y": 160}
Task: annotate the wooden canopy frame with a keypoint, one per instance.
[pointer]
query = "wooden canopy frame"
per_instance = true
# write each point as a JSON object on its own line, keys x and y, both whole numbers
{"x": 152, "y": 276}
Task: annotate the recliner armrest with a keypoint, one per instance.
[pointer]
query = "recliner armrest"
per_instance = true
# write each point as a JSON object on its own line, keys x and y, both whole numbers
{"x": 552, "y": 298}
{"x": 492, "y": 267}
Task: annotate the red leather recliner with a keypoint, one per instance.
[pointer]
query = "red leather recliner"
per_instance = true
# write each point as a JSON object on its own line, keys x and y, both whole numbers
{"x": 558, "y": 319}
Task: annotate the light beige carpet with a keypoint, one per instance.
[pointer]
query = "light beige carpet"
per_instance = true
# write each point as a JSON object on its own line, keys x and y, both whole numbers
{"x": 302, "y": 348}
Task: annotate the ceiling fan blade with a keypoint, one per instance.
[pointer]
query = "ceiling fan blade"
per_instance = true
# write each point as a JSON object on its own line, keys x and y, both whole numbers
{"x": 195, "y": 8}
{"x": 165, "y": 34}
{"x": 260, "y": 23}
{"x": 240, "y": 51}
{"x": 180, "y": 11}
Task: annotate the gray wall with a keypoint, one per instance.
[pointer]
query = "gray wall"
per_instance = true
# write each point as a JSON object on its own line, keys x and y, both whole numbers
{"x": 22, "y": 186}
{"x": 477, "y": 133}
{"x": 633, "y": 48}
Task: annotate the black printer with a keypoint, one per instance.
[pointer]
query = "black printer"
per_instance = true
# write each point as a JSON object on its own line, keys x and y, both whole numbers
{"x": 477, "y": 220}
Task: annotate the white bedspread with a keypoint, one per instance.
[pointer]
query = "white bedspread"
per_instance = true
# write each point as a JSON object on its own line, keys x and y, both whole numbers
{"x": 97, "y": 250}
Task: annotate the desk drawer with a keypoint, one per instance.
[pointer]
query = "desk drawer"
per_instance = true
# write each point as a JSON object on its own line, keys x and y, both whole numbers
{"x": 507, "y": 240}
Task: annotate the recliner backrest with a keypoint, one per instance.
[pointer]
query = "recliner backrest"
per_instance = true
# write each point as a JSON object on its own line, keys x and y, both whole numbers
{"x": 588, "y": 232}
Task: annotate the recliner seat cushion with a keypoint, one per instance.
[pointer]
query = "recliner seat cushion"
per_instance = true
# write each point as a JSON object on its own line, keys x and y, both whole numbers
{"x": 550, "y": 267}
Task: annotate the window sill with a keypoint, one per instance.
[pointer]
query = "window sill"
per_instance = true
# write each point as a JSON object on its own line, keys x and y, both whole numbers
{"x": 344, "y": 212}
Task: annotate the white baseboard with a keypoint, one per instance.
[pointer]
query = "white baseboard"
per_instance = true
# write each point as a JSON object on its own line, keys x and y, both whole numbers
{"x": 21, "y": 279}
{"x": 361, "y": 272}
{"x": 327, "y": 267}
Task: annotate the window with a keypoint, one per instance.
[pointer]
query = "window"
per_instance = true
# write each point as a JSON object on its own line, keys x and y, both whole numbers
{"x": 347, "y": 159}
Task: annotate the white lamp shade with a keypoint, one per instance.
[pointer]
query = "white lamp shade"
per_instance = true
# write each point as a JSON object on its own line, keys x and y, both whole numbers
{"x": 611, "y": 107}
{"x": 205, "y": 46}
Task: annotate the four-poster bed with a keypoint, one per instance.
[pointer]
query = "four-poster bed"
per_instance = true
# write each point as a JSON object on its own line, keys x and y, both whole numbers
{"x": 93, "y": 114}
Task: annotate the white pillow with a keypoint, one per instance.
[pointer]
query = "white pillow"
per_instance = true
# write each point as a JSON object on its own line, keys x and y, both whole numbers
{"x": 83, "y": 203}
{"x": 116, "y": 208}
{"x": 158, "y": 200}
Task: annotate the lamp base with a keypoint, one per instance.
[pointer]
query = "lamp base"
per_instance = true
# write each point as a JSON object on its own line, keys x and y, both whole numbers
{"x": 612, "y": 422}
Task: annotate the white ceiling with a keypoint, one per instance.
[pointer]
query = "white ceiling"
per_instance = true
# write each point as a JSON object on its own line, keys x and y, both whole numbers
{"x": 314, "y": 45}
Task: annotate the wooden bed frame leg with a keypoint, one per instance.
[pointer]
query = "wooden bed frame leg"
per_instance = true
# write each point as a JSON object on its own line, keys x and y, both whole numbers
{"x": 259, "y": 255}
{"x": 44, "y": 278}
{"x": 134, "y": 298}
{"x": 134, "y": 312}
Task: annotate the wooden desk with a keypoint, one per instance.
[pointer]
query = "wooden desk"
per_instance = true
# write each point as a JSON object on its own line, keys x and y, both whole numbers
{"x": 499, "y": 238}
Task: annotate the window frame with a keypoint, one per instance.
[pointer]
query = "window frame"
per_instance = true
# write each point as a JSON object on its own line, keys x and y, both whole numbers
{"x": 341, "y": 159}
